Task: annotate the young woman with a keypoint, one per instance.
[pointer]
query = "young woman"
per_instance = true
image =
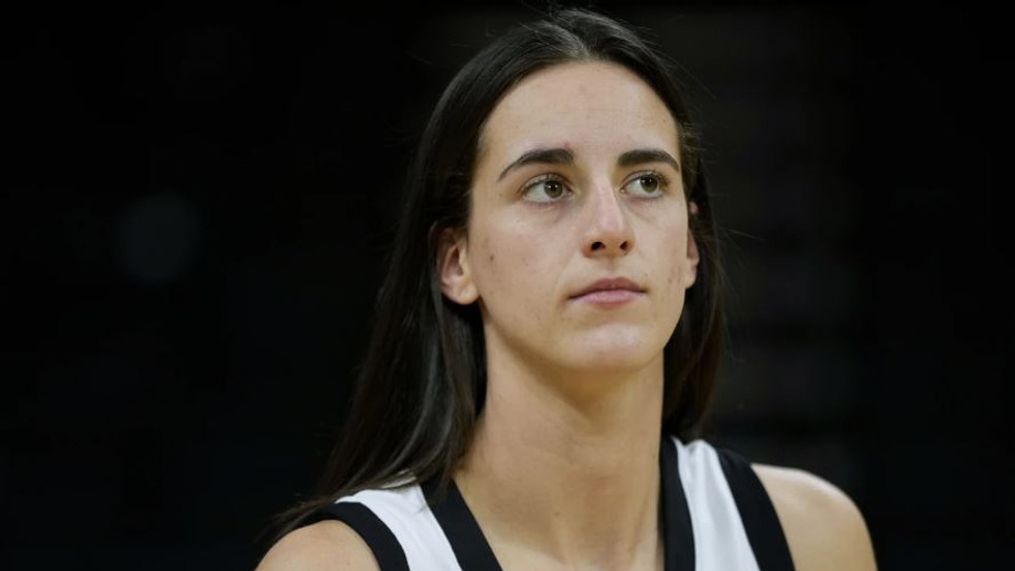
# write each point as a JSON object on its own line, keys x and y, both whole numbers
{"x": 546, "y": 343}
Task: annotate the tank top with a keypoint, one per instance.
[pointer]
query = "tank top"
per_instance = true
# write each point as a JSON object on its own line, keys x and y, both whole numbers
{"x": 714, "y": 512}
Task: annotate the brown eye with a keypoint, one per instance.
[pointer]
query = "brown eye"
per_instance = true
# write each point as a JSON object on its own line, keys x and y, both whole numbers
{"x": 553, "y": 188}
{"x": 652, "y": 184}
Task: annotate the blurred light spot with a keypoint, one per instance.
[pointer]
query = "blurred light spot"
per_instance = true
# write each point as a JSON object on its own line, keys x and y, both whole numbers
{"x": 157, "y": 237}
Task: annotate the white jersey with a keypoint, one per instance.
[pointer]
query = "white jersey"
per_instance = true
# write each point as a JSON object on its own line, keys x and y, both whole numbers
{"x": 716, "y": 516}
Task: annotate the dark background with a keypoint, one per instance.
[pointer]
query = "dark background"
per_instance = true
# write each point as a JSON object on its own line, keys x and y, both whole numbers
{"x": 197, "y": 200}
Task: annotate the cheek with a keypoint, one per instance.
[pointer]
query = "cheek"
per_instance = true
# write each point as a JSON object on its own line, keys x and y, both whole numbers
{"x": 514, "y": 272}
{"x": 491, "y": 267}
{"x": 674, "y": 252}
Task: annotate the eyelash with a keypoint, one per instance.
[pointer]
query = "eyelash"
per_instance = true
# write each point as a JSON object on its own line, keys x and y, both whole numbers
{"x": 664, "y": 183}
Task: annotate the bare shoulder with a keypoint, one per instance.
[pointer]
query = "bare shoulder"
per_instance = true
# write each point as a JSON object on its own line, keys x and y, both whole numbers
{"x": 327, "y": 545}
{"x": 823, "y": 527}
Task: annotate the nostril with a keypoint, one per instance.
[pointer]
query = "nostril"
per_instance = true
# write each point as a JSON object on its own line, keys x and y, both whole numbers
{"x": 624, "y": 246}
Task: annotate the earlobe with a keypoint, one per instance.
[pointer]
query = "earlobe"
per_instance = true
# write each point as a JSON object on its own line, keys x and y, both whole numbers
{"x": 693, "y": 257}
{"x": 453, "y": 268}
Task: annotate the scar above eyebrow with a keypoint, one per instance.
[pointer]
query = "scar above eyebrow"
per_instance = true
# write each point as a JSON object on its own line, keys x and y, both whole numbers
{"x": 562, "y": 156}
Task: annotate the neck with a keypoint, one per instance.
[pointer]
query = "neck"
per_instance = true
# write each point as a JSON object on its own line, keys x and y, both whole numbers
{"x": 565, "y": 475}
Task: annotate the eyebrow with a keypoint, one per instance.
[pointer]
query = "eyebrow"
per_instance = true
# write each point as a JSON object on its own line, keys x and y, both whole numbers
{"x": 562, "y": 156}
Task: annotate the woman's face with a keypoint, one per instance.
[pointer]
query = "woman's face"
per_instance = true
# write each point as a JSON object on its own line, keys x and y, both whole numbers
{"x": 605, "y": 202}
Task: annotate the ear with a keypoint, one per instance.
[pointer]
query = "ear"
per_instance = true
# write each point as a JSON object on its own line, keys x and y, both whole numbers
{"x": 453, "y": 267}
{"x": 692, "y": 249}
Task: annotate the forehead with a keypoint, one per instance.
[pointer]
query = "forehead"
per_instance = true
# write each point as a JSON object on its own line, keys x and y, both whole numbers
{"x": 590, "y": 106}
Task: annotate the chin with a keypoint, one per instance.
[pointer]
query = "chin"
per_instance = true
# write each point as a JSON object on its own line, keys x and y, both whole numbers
{"x": 616, "y": 353}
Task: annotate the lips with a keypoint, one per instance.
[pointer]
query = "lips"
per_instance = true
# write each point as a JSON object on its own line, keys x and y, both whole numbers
{"x": 609, "y": 284}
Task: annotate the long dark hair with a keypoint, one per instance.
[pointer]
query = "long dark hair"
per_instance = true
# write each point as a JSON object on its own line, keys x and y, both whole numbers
{"x": 423, "y": 381}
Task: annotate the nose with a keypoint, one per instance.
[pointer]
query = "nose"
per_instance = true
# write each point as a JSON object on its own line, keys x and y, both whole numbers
{"x": 609, "y": 234}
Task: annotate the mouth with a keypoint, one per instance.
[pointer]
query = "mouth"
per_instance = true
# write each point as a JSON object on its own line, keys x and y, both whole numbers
{"x": 609, "y": 296}
{"x": 609, "y": 291}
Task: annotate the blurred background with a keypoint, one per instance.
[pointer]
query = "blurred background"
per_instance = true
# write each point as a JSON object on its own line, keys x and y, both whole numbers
{"x": 197, "y": 200}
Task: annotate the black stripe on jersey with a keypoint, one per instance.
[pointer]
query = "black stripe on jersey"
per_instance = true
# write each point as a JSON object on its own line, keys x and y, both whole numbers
{"x": 461, "y": 529}
{"x": 764, "y": 532}
{"x": 384, "y": 545}
{"x": 676, "y": 517}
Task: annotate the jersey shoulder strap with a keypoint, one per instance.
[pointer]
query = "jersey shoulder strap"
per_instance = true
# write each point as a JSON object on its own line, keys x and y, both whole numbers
{"x": 764, "y": 532}
{"x": 385, "y": 547}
